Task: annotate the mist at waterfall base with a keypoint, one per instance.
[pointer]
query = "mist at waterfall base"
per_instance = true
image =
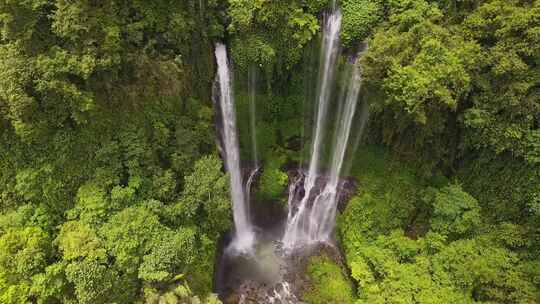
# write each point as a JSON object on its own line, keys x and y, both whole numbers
{"x": 261, "y": 262}
{"x": 244, "y": 236}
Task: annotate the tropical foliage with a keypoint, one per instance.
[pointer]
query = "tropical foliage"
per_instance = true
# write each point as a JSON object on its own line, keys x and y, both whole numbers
{"x": 112, "y": 189}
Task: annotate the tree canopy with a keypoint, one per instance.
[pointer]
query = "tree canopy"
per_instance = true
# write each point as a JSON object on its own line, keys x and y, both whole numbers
{"x": 112, "y": 189}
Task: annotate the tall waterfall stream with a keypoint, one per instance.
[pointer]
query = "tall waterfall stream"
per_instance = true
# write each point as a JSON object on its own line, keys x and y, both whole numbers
{"x": 302, "y": 227}
{"x": 244, "y": 235}
{"x": 263, "y": 265}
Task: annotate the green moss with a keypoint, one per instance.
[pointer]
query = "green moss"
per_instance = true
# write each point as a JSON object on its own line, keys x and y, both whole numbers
{"x": 329, "y": 284}
{"x": 273, "y": 180}
{"x": 359, "y": 18}
{"x": 403, "y": 233}
{"x": 388, "y": 192}
{"x": 503, "y": 185}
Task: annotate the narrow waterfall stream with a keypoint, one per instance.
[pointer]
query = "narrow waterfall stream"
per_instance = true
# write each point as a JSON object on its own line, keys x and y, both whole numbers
{"x": 244, "y": 237}
{"x": 297, "y": 231}
{"x": 323, "y": 212}
{"x": 252, "y": 91}
{"x": 252, "y": 95}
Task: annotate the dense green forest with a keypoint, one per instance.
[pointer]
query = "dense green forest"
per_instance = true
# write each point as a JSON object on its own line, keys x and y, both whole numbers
{"x": 112, "y": 189}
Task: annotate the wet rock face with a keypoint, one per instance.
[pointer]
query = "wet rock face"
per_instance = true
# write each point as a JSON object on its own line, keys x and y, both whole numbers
{"x": 295, "y": 143}
{"x": 252, "y": 292}
{"x": 264, "y": 215}
{"x": 248, "y": 292}
{"x": 347, "y": 187}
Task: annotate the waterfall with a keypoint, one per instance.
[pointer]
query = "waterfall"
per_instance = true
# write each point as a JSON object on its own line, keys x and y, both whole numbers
{"x": 324, "y": 88}
{"x": 249, "y": 183}
{"x": 324, "y": 208}
{"x": 252, "y": 90}
{"x": 297, "y": 222}
{"x": 282, "y": 294}
{"x": 244, "y": 234}
{"x": 317, "y": 220}
{"x": 312, "y": 220}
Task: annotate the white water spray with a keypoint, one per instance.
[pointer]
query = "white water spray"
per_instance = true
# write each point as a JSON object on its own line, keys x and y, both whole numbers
{"x": 297, "y": 225}
{"x": 324, "y": 208}
{"x": 282, "y": 294}
{"x": 324, "y": 88}
{"x": 244, "y": 234}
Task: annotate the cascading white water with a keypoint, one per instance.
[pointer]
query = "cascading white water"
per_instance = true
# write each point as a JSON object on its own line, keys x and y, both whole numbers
{"x": 298, "y": 222}
{"x": 292, "y": 194}
{"x": 244, "y": 234}
{"x": 324, "y": 88}
{"x": 320, "y": 218}
{"x": 324, "y": 208}
{"x": 282, "y": 294}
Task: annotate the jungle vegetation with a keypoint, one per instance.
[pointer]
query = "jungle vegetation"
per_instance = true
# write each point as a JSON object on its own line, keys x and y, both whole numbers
{"x": 111, "y": 185}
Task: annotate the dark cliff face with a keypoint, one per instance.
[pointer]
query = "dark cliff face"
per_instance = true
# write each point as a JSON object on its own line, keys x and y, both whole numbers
{"x": 347, "y": 187}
